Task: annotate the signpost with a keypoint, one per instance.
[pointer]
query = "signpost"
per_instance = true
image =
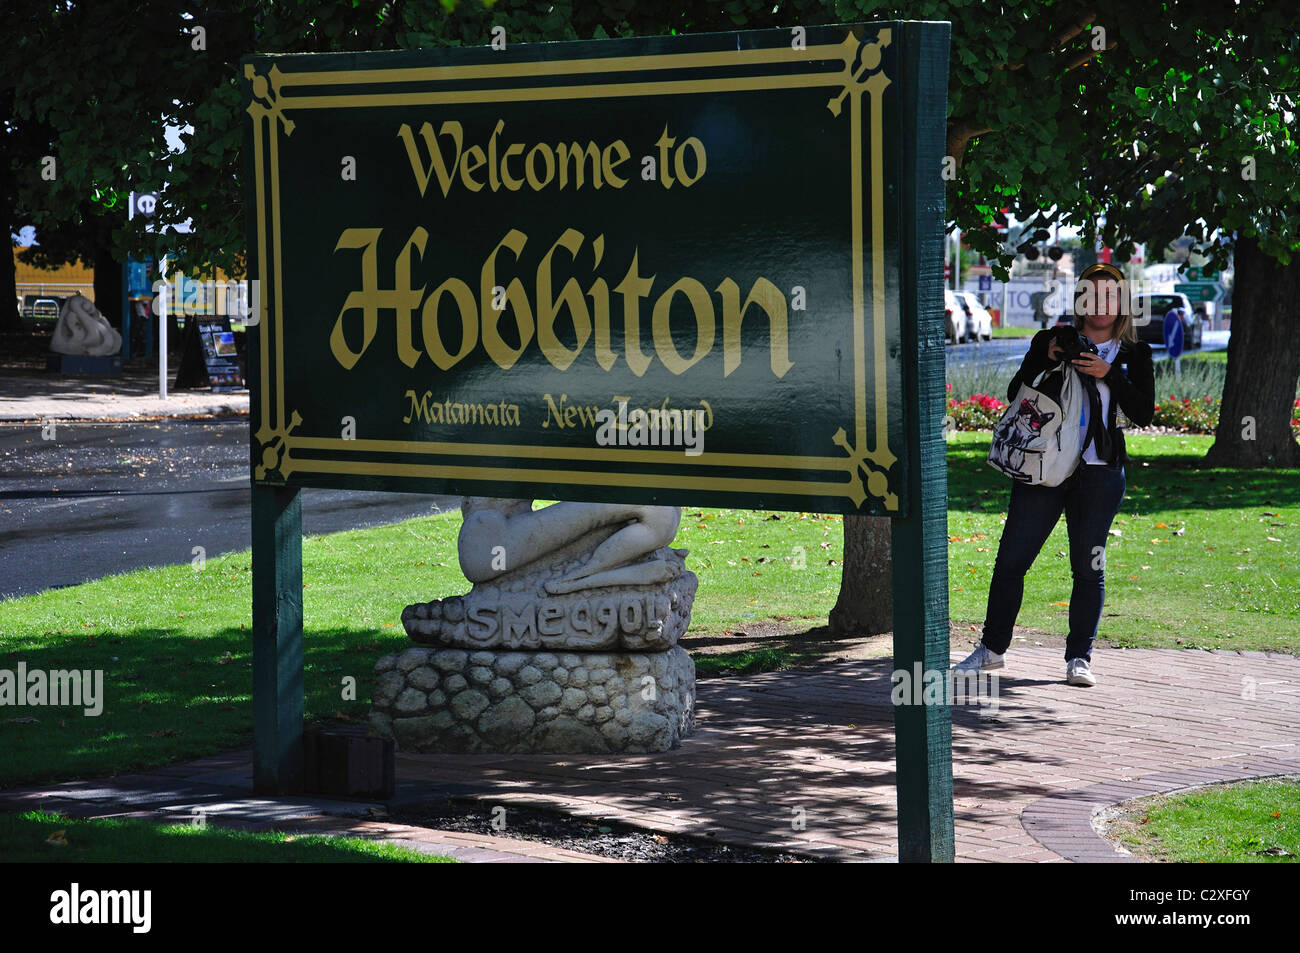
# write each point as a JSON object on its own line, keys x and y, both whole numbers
{"x": 698, "y": 270}
{"x": 1206, "y": 292}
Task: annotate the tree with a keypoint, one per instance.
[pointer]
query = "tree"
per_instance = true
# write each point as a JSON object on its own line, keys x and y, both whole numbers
{"x": 1133, "y": 128}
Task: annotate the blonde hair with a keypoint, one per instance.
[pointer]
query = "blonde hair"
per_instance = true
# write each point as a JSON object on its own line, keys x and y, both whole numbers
{"x": 1124, "y": 327}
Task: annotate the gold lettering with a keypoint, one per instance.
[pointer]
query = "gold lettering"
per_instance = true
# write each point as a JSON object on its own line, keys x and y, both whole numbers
{"x": 599, "y": 294}
{"x": 665, "y": 143}
{"x": 436, "y": 165}
{"x": 516, "y": 300}
{"x": 547, "y": 308}
{"x": 468, "y": 309}
{"x": 700, "y": 161}
{"x": 553, "y": 411}
{"x": 575, "y": 151}
{"x": 512, "y": 182}
{"x": 530, "y": 167}
{"x": 617, "y": 181}
{"x": 474, "y": 159}
{"x": 767, "y": 296}
{"x": 365, "y": 300}
{"x": 702, "y": 305}
{"x": 633, "y": 288}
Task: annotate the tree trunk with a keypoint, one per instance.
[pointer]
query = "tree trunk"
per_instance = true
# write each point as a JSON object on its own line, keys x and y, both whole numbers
{"x": 108, "y": 285}
{"x": 1263, "y": 364}
{"x": 9, "y": 292}
{"x": 866, "y": 602}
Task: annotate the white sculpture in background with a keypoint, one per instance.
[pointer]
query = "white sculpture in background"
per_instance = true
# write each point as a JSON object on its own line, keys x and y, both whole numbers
{"x": 83, "y": 331}
{"x": 501, "y": 535}
{"x": 591, "y": 577}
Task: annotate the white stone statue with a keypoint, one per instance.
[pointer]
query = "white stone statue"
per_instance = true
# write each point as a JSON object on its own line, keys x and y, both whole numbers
{"x": 586, "y": 576}
{"x": 502, "y": 535}
{"x": 82, "y": 330}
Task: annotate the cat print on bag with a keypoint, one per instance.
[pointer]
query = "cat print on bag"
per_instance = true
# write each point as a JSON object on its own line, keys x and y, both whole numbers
{"x": 1016, "y": 432}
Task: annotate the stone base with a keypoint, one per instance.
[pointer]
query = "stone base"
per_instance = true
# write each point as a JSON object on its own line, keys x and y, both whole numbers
{"x": 84, "y": 365}
{"x": 451, "y": 700}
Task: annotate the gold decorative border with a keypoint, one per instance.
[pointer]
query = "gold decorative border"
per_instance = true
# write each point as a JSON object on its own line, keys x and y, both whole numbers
{"x": 859, "y": 73}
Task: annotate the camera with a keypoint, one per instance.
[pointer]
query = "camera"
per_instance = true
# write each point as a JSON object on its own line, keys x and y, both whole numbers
{"x": 1072, "y": 343}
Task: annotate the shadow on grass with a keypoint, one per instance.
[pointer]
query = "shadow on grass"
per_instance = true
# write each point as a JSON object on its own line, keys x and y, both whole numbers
{"x": 26, "y": 839}
{"x": 1167, "y": 482}
{"x": 167, "y": 697}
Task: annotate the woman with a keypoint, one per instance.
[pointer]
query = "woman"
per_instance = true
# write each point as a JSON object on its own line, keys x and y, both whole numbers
{"x": 1091, "y": 497}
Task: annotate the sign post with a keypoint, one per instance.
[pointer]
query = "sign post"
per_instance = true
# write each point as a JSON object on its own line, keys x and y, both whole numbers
{"x": 923, "y": 733}
{"x": 1205, "y": 292}
{"x": 610, "y": 271}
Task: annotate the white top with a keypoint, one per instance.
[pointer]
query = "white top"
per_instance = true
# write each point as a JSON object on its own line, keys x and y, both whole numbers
{"x": 1107, "y": 350}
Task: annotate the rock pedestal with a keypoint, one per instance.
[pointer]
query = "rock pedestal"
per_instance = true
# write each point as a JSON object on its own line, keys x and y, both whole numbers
{"x": 451, "y": 700}
{"x": 539, "y": 660}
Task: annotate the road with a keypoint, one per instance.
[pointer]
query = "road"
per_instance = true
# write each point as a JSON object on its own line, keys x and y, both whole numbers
{"x": 105, "y": 498}
{"x": 1010, "y": 351}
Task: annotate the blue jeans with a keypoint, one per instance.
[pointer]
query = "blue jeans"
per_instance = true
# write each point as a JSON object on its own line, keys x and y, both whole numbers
{"x": 1090, "y": 498}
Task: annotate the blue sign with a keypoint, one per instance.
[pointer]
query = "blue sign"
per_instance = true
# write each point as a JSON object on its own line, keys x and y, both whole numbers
{"x": 986, "y": 282}
{"x": 1174, "y": 332}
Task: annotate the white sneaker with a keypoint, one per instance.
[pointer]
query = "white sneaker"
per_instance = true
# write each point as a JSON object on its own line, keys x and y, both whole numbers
{"x": 981, "y": 660}
{"x": 1077, "y": 672}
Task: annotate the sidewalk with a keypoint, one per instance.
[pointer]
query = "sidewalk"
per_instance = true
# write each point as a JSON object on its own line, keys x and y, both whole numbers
{"x": 1027, "y": 783}
{"x": 220, "y": 788}
{"x": 38, "y": 395}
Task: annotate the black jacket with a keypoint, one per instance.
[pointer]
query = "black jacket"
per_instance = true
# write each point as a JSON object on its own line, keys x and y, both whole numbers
{"x": 1131, "y": 380}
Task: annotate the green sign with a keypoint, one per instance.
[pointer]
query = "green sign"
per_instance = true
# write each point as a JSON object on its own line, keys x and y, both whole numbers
{"x": 663, "y": 269}
{"x": 695, "y": 269}
{"x": 1204, "y": 291}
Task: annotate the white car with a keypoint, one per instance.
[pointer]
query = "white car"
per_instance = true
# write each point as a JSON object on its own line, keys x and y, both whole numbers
{"x": 957, "y": 317}
{"x": 980, "y": 322}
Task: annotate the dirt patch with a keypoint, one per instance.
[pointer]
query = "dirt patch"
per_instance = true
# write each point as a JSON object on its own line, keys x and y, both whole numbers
{"x": 605, "y": 838}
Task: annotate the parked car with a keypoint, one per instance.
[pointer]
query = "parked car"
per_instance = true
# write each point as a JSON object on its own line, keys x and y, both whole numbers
{"x": 979, "y": 321}
{"x": 958, "y": 326}
{"x": 1156, "y": 306}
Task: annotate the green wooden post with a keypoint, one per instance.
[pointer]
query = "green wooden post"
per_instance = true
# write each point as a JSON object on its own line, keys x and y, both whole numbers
{"x": 923, "y": 733}
{"x": 277, "y": 640}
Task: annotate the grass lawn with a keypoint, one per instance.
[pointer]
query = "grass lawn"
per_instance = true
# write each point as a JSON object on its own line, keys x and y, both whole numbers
{"x": 1196, "y": 559}
{"x": 27, "y": 838}
{"x": 1245, "y": 822}
{"x": 173, "y": 642}
{"x": 1005, "y": 332}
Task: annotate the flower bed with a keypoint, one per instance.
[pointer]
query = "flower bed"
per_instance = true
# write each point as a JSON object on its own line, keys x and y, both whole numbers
{"x": 1172, "y": 413}
{"x": 979, "y": 412}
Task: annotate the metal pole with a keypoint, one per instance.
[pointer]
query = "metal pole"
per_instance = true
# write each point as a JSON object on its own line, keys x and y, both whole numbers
{"x": 162, "y": 335}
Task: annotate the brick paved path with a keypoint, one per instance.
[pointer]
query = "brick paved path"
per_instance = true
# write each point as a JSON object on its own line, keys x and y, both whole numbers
{"x": 1026, "y": 782}
{"x": 821, "y": 739}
